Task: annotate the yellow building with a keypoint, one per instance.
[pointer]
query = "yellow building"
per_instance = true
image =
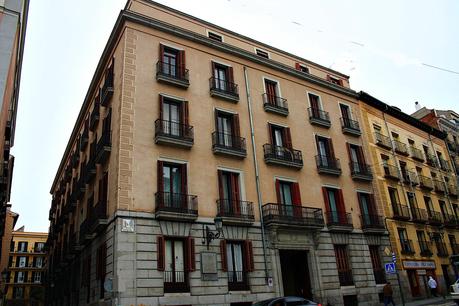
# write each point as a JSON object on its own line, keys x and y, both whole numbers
{"x": 417, "y": 186}
{"x": 26, "y": 268}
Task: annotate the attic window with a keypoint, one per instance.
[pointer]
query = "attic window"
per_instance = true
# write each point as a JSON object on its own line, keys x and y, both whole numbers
{"x": 215, "y": 36}
{"x": 301, "y": 68}
{"x": 262, "y": 53}
{"x": 335, "y": 81}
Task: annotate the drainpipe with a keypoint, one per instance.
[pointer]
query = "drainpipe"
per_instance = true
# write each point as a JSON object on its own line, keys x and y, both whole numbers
{"x": 257, "y": 175}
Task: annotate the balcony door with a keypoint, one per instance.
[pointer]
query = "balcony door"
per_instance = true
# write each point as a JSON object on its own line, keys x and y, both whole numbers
{"x": 222, "y": 76}
{"x": 367, "y": 208}
{"x": 356, "y": 157}
{"x": 171, "y": 116}
{"x": 174, "y": 261}
{"x": 229, "y": 192}
{"x": 227, "y": 129}
{"x": 235, "y": 262}
{"x": 280, "y": 141}
{"x": 315, "y": 105}
{"x": 172, "y": 184}
{"x": 346, "y": 113}
{"x": 334, "y": 203}
{"x": 288, "y": 196}
{"x": 170, "y": 61}
{"x": 271, "y": 92}
{"x": 325, "y": 151}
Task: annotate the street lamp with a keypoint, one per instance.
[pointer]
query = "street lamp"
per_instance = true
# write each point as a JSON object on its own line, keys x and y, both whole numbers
{"x": 208, "y": 235}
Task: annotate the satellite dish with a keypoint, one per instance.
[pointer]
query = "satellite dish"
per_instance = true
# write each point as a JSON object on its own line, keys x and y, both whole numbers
{"x": 108, "y": 285}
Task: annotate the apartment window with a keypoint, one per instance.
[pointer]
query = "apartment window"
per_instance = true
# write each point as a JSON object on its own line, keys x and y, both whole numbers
{"x": 404, "y": 241}
{"x": 229, "y": 192}
{"x": 38, "y": 262}
{"x": 172, "y": 62}
{"x": 174, "y": 116}
{"x": 342, "y": 263}
{"x": 223, "y": 77}
{"x": 378, "y": 271}
{"x": 334, "y": 80}
{"x": 453, "y": 244}
{"x": 326, "y": 154}
{"x": 39, "y": 247}
{"x": 377, "y": 128}
{"x": 21, "y": 261}
{"x": 21, "y": 277}
{"x": 228, "y": 131}
{"x": 237, "y": 260}
{"x": 176, "y": 259}
{"x": 316, "y": 106}
{"x": 345, "y": 113}
{"x": 456, "y": 210}
{"x": 367, "y": 208}
{"x": 215, "y": 36}
{"x": 412, "y": 199}
{"x": 404, "y": 171}
{"x": 429, "y": 205}
{"x": 334, "y": 204}
{"x": 22, "y": 246}
{"x": 172, "y": 185}
{"x": 423, "y": 244}
{"x": 12, "y": 246}
{"x": 262, "y": 53}
{"x": 443, "y": 209}
{"x": 10, "y": 261}
{"x": 280, "y": 138}
{"x": 357, "y": 158}
{"x": 37, "y": 277}
{"x": 272, "y": 91}
{"x": 18, "y": 292}
{"x": 301, "y": 68}
{"x": 288, "y": 196}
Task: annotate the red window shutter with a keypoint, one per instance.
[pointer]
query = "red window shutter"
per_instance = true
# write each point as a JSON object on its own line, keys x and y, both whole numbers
{"x": 212, "y": 66}
{"x": 185, "y": 113}
{"x": 326, "y": 199}
{"x": 160, "y": 176}
{"x": 161, "y": 101}
{"x": 161, "y": 52}
{"x": 182, "y": 63}
{"x": 341, "y": 201}
{"x": 235, "y": 194}
{"x": 341, "y": 82}
{"x": 348, "y": 146}
{"x": 105, "y": 187}
{"x": 190, "y": 255}
{"x": 287, "y": 138}
{"x": 236, "y": 128}
{"x": 278, "y": 194}
{"x": 270, "y": 131}
{"x": 230, "y": 75}
{"x": 296, "y": 194}
{"x": 220, "y": 184}
{"x": 328, "y": 78}
{"x": 360, "y": 154}
{"x": 223, "y": 255}
{"x": 184, "y": 177}
{"x": 372, "y": 203}
{"x": 161, "y": 252}
{"x": 330, "y": 148}
{"x": 297, "y": 66}
{"x": 248, "y": 256}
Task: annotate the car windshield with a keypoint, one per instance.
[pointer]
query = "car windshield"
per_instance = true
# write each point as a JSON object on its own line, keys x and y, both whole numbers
{"x": 263, "y": 303}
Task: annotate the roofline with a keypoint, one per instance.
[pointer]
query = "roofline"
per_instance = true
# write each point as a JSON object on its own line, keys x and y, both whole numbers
{"x": 372, "y": 101}
{"x": 239, "y": 35}
{"x": 190, "y": 35}
{"x": 30, "y": 233}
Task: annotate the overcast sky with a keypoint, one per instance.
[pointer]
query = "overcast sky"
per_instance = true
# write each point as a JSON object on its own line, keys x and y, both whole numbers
{"x": 387, "y": 47}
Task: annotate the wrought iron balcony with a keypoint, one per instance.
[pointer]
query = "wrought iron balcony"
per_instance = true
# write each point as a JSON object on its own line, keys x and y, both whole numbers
{"x": 416, "y": 154}
{"x": 292, "y": 215}
{"x": 90, "y": 170}
{"x": 452, "y": 189}
{"x": 339, "y": 221}
{"x": 425, "y": 182}
{"x": 349, "y": 126}
{"x": 425, "y": 247}
{"x": 419, "y": 215}
{"x": 409, "y": 178}
{"x": 235, "y": 211}
{"x": 173, "y": 133}
{"x": 94, "y": 117}
{"x": 400, "y": 212}
{"x": 407, "y": 246}
{"x": 223, "y": 89}
{"x": 328, "y": 165}
{"x": 401, "y": 147}
{"x": 439, "y": 186}
{"x": 176, "y": 206}
{"x": 274, "y": 104}
{"x": 176, "y": 75}
{"x": 434, "y": 217}
{"x": 444, "y": 164}
{"x": 372, "y": 223}
{"x": 346, "y": 278}
{"x": 228, "y": 144}
{"x": 106, "y": 92}
{"x": 391, "y": 172}
{"x": 361, "y": 171}
{"x": 450, "y": 221}
{"x": 96, "y": 220}
{"x": 383, "y": 141}
{"x": 176, "y": 281}
{"x": 431, "y": 160}
{"x": 282, "y": 156}
{"x": 84, "y": 139}
{"x": 452, "y": 147}
{"x": 442, "y": 250}
{"x": 238, "y": 281}
{"x": 319, "y": 117}
{"x": 103, "y": 147}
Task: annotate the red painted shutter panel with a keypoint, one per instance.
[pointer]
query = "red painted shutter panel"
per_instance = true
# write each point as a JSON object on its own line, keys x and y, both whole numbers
{"x": 220, "y": 184}
{"x": 160, "y": 177}
{"x": 270, "y": 131}
{"x": 361, "y": 156}
{"x": 326, "y": 199}
{"x": 296, "y": 194}
{"x": 297, "y": 66}
{"x": 182, "y": 64}
{"x": 330, "y": 148}
{"x": 287, "y": 138}
{"x": 184, "y": 177}
{"x": 190, "y": 255}
{"x": 279, "y": 200}
{"x": 160, "y": 252}
{"x": 249, "y": 262}
{"x": 161, "y": 101}
{"x": 185, "y": 113}
{"x": 161, "y": 52}
{"x": 372, "y": 208}
{"x": 230, "y": 76}
{"x": 341, "y": 201}
{"x": 236, "y": 128}
{"x": 223, "y": 255}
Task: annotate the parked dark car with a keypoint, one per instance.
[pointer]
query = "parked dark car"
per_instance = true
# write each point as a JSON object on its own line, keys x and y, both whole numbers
{"x": 287, "y": 301}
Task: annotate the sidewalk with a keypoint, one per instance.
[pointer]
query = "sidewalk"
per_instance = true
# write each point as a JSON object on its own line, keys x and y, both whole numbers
{"x": 431, "y": 301}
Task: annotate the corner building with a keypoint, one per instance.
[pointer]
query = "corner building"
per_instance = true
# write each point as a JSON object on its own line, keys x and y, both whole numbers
{"x": 186, "y": 125}
{"x": 418, "y": 187}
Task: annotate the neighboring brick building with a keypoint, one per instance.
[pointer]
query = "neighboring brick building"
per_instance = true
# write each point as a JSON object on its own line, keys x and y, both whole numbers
{"x": 187, "y": 124}
{"x": 26, "y": 267}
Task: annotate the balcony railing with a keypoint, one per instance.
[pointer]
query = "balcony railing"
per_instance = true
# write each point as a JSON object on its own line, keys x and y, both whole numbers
{"x": 380, "y": 276}
{"x": 103, "y": 147}
{"x": 444, "y": 164}
{"x": 361, "y": 171}
{"x": 442, "y": 251}
{"x": 224, "y": 89}
{"x": 84, "y": 139}
{"x": 176, "y": 281}
{"x": 174, "y": 133}
{"x": 439, "y": 186}
{"x": 419, "y": 215}
{"x": 450, "y": 221}
{"x": 409, "y": 177}
{"x": 328, "y": 165}
{"x": 228, "y": 144}
{"x": 238, "y": 280}
{"x": 383, "y": 141}
{"x": 407, "y": 246}
{"x": 400, "y": 212}
{"x": 274, "y": 104}
{"x": 172, "y": 74}
{"x": 283, "y": 156}
{"x": 425, "y": 182}
{"x": 434, "y": 217}
{"x": 391, "y": 172}
{"x": 275, "y": 213}
{"x": 96, "y": 220}
{"x": 400, "y": 147}
{"x": 346, "y": 278}
{"x": 452, "y": 189}
{"x": 94, "y": 118}
{"x": 337, "y": 220}
{"x": 350, "y": 126}
{"x": 431, "y": 160}
{"x": 176, "y": 206}
{"x": 416, "y": 154}
{"x": 235, "y": 210}
{"x": 107, "y": 88}
{"x": 372, "y": 222}
{"x": 319, "y": 117}
{"x": 425, "y": 247}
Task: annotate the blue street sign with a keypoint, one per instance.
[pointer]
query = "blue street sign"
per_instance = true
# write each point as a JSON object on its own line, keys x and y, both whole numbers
{"x": 390, "y": 268}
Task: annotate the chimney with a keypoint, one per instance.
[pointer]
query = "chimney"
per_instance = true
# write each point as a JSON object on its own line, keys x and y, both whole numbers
{"x": 417, "y": 106}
